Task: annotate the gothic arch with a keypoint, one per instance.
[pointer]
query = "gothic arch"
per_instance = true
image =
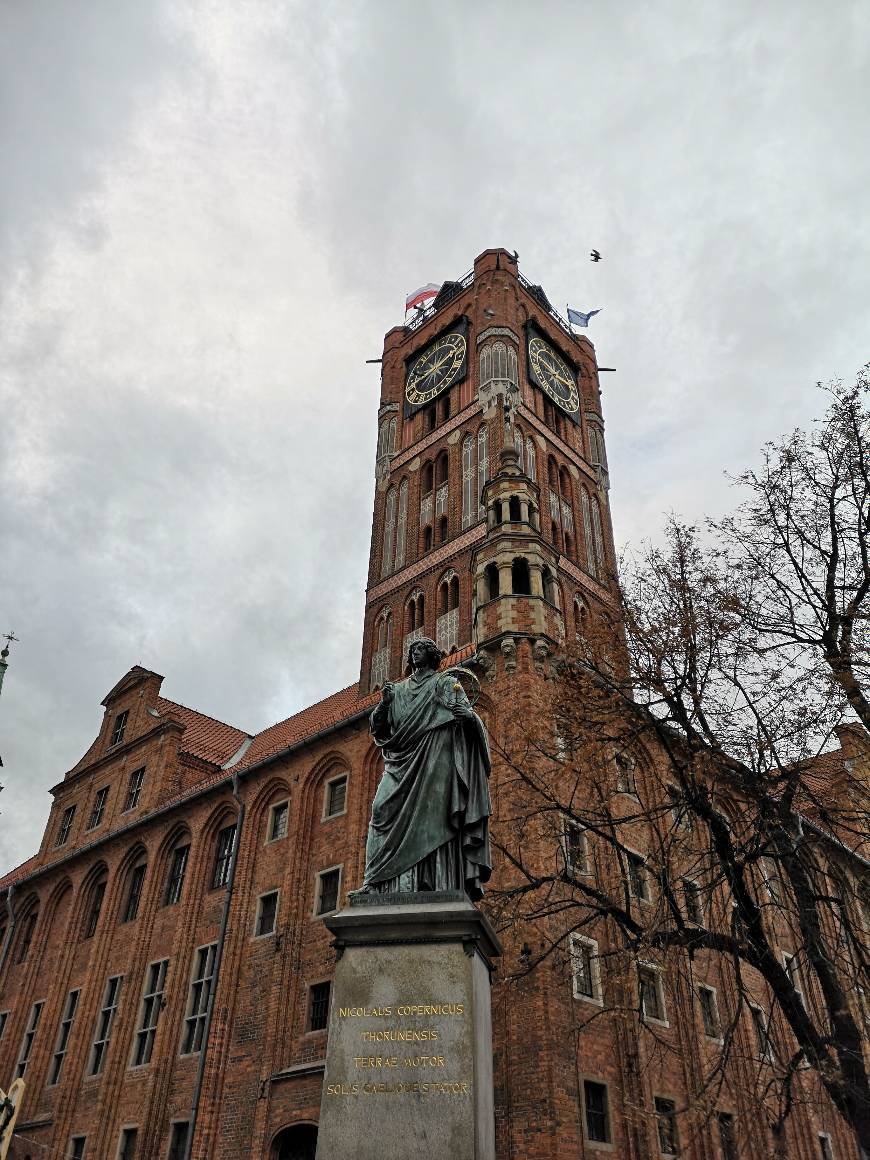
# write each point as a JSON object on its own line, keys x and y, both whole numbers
{"x": 295, "y": 1142}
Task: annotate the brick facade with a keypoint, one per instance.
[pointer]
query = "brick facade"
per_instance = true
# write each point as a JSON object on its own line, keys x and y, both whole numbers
{"x": 261, "y": 1061}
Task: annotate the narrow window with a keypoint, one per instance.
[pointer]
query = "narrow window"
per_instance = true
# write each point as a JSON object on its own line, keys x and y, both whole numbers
{"x": 328, "y": 884}
{"x": 149, "y": 1013}
{"x": 586, "y": 508}
{"x": 223, "y": 856}
{"x": 119, "y": 727}
{"x": 709, "y": 1012}
{"x": 693, "y": 901}
{"x": 427, "y": 539}
{"x": 178, "y": 1141}
{"x": 198, "y": 999}
{"x": 596, "y": 1111}
{"x": 576, "y": 849}
{"x": 27, "y": 1041}
{"x": 514, "y": 509}
{"x": 69, "y": 1014}
{"x": 482, "y": 468}
{"x": 680, "y": 814}
{"x": 727, "y": 1136}
{"x": 667, "y": 1126}
{"x": 531, "y": 460}
{"x": 278, "y": 818}
{"x": 65, "y": 825}
{"x": 134, "y": 789}
{"x": 431, "y": 417}
{"x": 127, "y": 1144}
{"x": 638, "y": 880}
{"x": 96, "y": 904}
{"x": 27, "y": 935}
{"x": 519, "y": 447}
{"x": 99, "y": 808}
{"x": 625, "y": 780}
{"x": 428, "y": 478}
{"x": 134, "y": 893}
{"x": 469, "y": 505}
{"x": 520, "y": 580}
{"x": 445, "y": 406}
{"x": 402, "y": 524}
{"x": 105, "y": 1019}
{"x": 267, "y": 913}
{"x": 791, "y": 969}
{"x": 389, "y": 532}
{"x": 175, "y": 879}
{"x": 336, "y": 796}
{"x": 586, "y": 983}
{"x": 771, "y": 879}
{"x": 652, "y": 1005}
{"x": 77, "y": 1147}
{"x": 4, "y": 1018}
{"x": 318, "y": 1007}
{"x": 597, "y": 539}
{"x": 826, "y": 1150}
{"x": 492, "y": 580}
{"x": 762, "y": 1033}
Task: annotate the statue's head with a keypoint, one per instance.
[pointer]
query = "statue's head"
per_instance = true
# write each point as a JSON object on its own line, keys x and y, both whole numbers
{"x": 425, "y": 652}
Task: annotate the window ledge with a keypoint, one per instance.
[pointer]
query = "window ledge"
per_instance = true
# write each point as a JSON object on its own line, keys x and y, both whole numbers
{"x": 589, "y": 999}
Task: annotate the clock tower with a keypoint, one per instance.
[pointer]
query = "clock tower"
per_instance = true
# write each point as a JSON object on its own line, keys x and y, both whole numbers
{"x": 491, "y": 527}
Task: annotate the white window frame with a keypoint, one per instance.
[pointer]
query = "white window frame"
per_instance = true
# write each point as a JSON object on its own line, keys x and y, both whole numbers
{"x": 607, "y": 1145}
{"x": 28, "y": 1037}
{"x": 318, "y": 890}
{"x": 717, "y": 1038}
{"x": 572, "y": 869}
{"x": 104, "y": 1025}
{"x": 630, "y": 855}
{"x": 326, "y": 815}
{"x": 656, "y": 972}
{"x": 597, "y": 996}
{"x": 273, "y": 810}
{"x": 200, "y": 993}
{"x": 673, "y": 1116}
{"x": 259, "y": 913}
{"x": 61, "y": 1043}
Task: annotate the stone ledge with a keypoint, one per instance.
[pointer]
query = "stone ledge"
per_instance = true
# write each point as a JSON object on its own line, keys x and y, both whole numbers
{"x": 407, "y": 920}
{"x": 299, "y": 1070}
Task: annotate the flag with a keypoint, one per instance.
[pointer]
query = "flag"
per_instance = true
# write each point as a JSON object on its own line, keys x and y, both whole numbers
{"x": 578, "y": 318}
{"x": 420, "y": 296}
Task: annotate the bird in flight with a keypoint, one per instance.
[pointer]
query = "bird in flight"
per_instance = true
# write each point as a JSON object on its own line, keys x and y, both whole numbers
{"x": 595, "y": 256}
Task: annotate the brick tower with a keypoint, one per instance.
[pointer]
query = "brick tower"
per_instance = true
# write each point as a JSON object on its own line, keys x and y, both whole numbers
{"x": 491, "y": 526}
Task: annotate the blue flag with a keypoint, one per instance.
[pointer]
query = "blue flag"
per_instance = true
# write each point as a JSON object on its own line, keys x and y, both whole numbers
{"x": 578, "y": 318}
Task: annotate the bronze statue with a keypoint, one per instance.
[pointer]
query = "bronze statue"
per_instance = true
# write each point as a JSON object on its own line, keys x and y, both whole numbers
{"x": 429, "y": 828}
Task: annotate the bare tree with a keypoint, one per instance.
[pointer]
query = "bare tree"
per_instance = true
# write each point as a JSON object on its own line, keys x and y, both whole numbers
{"x": 676, "y": 805}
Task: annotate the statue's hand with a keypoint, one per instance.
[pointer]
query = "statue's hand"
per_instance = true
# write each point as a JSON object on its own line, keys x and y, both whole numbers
{"x": 462, "y": 711}
{"x": 387, "y": 692}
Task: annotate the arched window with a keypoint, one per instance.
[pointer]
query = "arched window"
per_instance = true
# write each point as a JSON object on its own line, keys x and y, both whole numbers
{"x": 383, "y": 638}
{"x": 514, "y": 509}
{"x": 445, "y": 406}
{"x": 485, "y": 366}
{"x": 519, "y": 447}
{"x": 592, "y": 533}
{"x": 414, "y": 618}
{"x": 551, "y": 587}
{"x": 469, "y": 507}
{"x": 94, "y": 905}
{"x": 389, "y": 532}
{"x": 28, "y": 921}
{"x": 298, "y": 1142}
{"x": 482, "y": 467}
{"x": 431, "y": 420}
{"x": 391, "y": 437}
{"x": 454, "y": 592}
{"x": 441, "y": 468}
{"x": 133, "y": 894}
{"x": 598, "y": 538}
{"x": 447, "y": 624}
{"x": 552, "y": 473}
{"x": 531, "y": 460}
{"x": 442, "y": 529}
{"x": 581, "y": 619}
{"x": 427, "y": 478}
{"x": 490, "y": 575}
{"x": 520, "y": 578}
{"x": 402, "y": 523}
{"x": 427, "y": 539}
{"x": 498, "y": 366}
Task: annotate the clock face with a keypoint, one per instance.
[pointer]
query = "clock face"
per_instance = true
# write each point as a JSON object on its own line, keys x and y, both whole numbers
{"x": 554, "y": 375}
{"x": 436, "y": 368}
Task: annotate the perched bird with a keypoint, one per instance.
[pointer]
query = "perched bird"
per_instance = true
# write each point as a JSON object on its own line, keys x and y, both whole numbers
{"x": 489, "y": 313}
{"x": 595, "y": 256}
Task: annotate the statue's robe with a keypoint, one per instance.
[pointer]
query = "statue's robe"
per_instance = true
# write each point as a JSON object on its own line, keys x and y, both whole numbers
{"x": 430, "y": 816}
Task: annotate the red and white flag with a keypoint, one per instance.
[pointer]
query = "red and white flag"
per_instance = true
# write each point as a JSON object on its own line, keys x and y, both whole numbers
{"x": 419, "y": 297}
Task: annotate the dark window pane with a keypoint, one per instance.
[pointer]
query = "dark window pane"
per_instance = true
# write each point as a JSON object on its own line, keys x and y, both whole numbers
{"x": 597, "y": 1118}
{"x": 175, "y": 881}
{"x": 328, "y": 898}
{"x": 223, "y": 856}
{"x": 134, "y": 894}
{"x": 119, "y": 727}
{"x": 318, "y": 1012}
{"x": 177, "y": 1141}
{"x": 336, "y": 796}
{"x": 280, "y": 815}
{"x": 727, "y": 1136}
{"x": 93, "y": 915}
{"x": 267, "y": 913}
{"x": 667, "y": 1126}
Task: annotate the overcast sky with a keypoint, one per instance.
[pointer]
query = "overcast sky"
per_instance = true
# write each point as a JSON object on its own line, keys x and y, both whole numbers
{"x": 211, "y": 212}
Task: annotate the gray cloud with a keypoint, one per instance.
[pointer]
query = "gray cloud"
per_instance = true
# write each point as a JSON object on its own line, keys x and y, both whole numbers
{"x": 210, "y": 215}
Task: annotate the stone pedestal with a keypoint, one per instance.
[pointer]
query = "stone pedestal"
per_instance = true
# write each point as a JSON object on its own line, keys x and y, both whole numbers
{"x": 409, "y": 1056}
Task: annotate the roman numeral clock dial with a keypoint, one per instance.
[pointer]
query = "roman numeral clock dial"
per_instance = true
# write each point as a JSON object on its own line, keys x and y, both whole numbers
{"x": 437, "y": 368}
{"x": 554, "y": 376}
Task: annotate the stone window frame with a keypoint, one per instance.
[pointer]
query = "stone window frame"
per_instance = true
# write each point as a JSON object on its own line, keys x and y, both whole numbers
{"x": 30, "y": 1030}
{"x": 172, "y": 1151}
{"x": 276, "y": 894}
{"x": 121, "y": 1152}
{"x": 176, "y": 872}
{"x": 284, "y": 803}
{"x": 73, "y": 1152}
{"x": 318, "y": 890}
{"x": 65, "y": 826}
{"x": 573, "y": 869}
{"x": 597, "y": 996}
{"x": 717, "y": 1015}
{"x": 608, "y": 1145}
{"x": 634, "y": 858}
{"x": 64, "y": 1030}
{"x": 150, "y": 1007}
{"x": 343, "y": 774}
{"x": 657, "y": 975}
{"x": 309, "y": 1007}
{"x": 98, "y": 809}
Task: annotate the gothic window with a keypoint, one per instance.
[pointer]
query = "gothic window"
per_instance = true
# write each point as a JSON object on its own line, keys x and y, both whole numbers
{"x": 482, "y": 467}
{"x": 391, "y": 437}
{"x": 441, "y": 465}
{"x": 581, "y": 619}
{"x": 27, "y": 1041}
{"x": 551, "y": 588}
{"x": 447, "y": 624}
{"x": 149, "y": 1012}
{"x": 552, "y": 473}
{"x": 592, "y": 533}
{"x": 95, "y": 905}
{"x": 427, "y": 539}
{"x": 521, "y": 584}
{"x": 63, "y": 1034}
{"x": 383, "y": 638}
{"x": 597, "y": 538}
{"x": 485, "y": 365}
{"x": 443, "y": 529}
{"x": 105, "y": 1021}
{"x": 531, "y": 460}
{"x": 175, "y": 879}
{"x": 427, "y": 477}
{"x": 279, "y": 817}
{"x": 519, "y": 445}
{"x": 498, "y": 365}
{"x": 389, "y": 532}
{"x": 431, "y": 420}
{"x": 491, "y": 578}
{"x": 445, "y": 406}
{"x": 468, "y": 504}
{"x": 198, "y": 998}
{"x": 402, "y": 524}
{"x": 28, "y": 926}
{"x": 134, "y": 893}
{"x": 514, "y": 509}
{"x": 223, "y": 856}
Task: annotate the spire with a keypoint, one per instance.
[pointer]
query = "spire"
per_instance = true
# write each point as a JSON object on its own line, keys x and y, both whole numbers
{"x": 4, "y": 653}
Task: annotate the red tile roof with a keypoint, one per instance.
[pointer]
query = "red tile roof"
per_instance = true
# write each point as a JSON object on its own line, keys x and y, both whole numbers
{"x": 21, "y": 871}
{"x": 204, "y": 736}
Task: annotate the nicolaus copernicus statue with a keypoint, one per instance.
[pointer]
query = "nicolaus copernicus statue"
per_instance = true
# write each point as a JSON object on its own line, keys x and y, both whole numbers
{"x": 429, "y": 828}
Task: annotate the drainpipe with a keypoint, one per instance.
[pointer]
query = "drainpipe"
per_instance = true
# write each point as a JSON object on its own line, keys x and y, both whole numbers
{"x": 218, "y": 957}
{"x": 10, "y": 929}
